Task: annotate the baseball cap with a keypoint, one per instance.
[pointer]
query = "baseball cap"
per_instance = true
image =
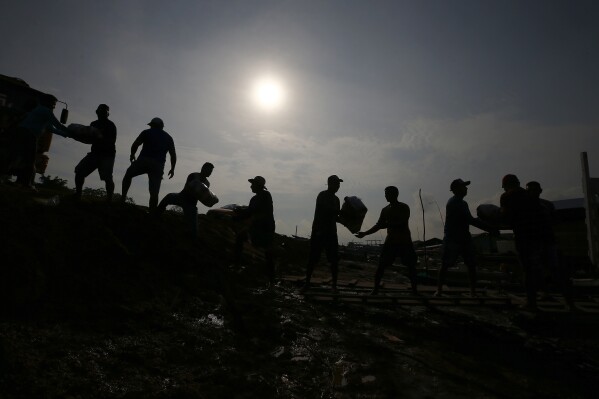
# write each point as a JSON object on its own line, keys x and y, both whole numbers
{"x": 156, "y": 122}
{"x": 334, "y": 179}
{"x": 258, "y": 181}
{"x": 457, "y": 183}
{"x": 509, "y": 180}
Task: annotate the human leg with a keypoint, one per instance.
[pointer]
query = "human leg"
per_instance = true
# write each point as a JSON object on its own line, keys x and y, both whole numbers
{"x": 388, "y": 254}
{"x": 86, "y": 166}
{"x": 408, "y": 257}
{"x": 191, "y": 216}
{"x": 332, "y": 252}
{"x": 138, "y": 167}
{"x": 470, "y": 260}
{"x": 450, "y": 255}
{"x": 316, "y": 245}
{"x": 169, "y": 199}
{"x": 105, "y": 168}
{"x": 529, "y": 254}
{"x": 155, "y": 180}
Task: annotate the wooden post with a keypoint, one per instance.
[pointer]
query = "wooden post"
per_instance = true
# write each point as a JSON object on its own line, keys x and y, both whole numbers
{"x": 590, "y": 188}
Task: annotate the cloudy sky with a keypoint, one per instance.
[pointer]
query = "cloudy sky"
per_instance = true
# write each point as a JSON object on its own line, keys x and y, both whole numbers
{"x": 405, "y": 93}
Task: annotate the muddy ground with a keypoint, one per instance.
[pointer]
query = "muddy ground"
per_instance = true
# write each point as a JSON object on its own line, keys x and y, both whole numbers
{"x": 103, "y": 301}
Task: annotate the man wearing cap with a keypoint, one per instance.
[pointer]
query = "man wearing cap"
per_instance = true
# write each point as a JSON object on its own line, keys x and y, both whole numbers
{"x": 156, "y": 143}
{"x": 101, "y": 156}
{"x": 187, "y": 198}
{"x": 261, "y": 230}
{"x": 394, "y": 217}
{"x": 457, "y": 240}
{"x": 324, "y": 231}
{"x": 525, "y": 215}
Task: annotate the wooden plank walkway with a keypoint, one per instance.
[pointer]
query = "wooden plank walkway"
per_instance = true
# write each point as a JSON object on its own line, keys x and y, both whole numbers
{"x": 358, "y": 291}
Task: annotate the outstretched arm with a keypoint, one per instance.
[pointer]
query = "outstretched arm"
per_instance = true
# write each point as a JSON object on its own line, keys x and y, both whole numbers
{"x": 381, "y": 224}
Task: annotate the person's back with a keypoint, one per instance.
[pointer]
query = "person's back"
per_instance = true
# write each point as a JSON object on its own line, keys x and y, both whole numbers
{"x": 326, "y": 213}
{"x": 156, "y": 144}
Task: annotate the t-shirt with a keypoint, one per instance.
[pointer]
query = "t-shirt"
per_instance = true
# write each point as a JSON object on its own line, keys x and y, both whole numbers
{"x": 394, "y": 217}
{"x": 261, "y": 208}
{"x": 156, "y": 143}
{"x": 39, "y": 119}
{"x": 326, "y": 213}
{"x": 457, "y": 219}
{"x": 106, "y": 145}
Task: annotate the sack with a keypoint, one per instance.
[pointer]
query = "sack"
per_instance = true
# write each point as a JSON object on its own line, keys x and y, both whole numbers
{"x": 491, "y": 214}
{"x": 84, "y": 134}
{"x": 203, "y": 193}
{"x": 352, "y": 213}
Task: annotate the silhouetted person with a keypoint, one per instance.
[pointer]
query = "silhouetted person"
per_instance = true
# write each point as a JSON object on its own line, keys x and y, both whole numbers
{"x": 101, "y": 156}
{"x": 524, "y": 214}
{"x": 394, "y": 217}
{"x": 33, "y": 125}
{"x": 324, "y": 231}
{"x": 156, "y": 143}
{"x": 457, "y": 240}
{"x": 261, "y": 230}
{"x": 550, "y": 258}
{"x": 187, "y": 198}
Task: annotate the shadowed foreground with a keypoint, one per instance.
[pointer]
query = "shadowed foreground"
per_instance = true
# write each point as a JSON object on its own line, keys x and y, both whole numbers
{"x": 102, "y": 301}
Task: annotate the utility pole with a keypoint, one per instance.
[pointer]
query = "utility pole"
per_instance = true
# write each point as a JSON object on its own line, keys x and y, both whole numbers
{"x": 590, "y": 188}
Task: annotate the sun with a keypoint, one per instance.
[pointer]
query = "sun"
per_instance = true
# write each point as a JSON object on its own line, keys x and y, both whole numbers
{"x": 268, "y": 94}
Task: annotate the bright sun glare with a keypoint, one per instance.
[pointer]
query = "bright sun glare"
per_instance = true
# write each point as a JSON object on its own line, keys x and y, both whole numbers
{"x": 268, "y": 93}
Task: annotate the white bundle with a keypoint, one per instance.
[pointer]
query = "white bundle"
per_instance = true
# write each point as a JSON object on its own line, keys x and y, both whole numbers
{"x": 84, "y": 134}
{"x": 203, "y": 193}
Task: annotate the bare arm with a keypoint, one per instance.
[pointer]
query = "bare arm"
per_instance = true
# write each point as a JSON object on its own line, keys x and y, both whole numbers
{"x": 173, "y": 155}
{"x": 138, "y": 141}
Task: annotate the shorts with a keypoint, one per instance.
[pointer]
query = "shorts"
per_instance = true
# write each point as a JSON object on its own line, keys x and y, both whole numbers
{"x": 452, "y": 250}
{"x": 153, "y": 168}
{"x": 91, "y": 162}
{"x": 404, "y": 250}
{"x": 328, "y": 242}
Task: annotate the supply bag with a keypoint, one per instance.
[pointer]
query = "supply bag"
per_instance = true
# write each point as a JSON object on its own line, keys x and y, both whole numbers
{"x": 491, "y": 214}
{"x": 352, "y": 213}
{"x": 84, "y": 134}
{"x": 203, "y": 193}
